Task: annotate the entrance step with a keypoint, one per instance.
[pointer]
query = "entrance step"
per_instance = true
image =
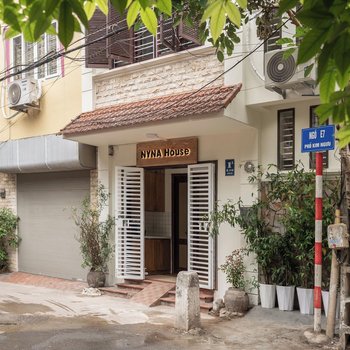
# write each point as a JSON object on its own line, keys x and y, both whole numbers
{"x": 206, "y": 299}
{"x": 151, "y": 294}
{"x": 127, "y": 289}
{"x": 154, "y": 292}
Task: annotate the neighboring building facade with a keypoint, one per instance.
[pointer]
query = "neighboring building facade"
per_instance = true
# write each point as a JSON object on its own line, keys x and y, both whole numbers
{"x": 43, "y": 175}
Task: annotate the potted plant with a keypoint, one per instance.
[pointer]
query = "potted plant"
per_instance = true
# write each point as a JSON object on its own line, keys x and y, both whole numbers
{"x": 8, "y": 236}
{"x": 94, "y": 236}
{"x": 236, "y": 299}
{"x": 296, "y": 192}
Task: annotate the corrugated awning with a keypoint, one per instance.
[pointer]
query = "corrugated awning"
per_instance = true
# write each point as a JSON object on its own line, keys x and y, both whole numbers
{"x": 152, "y": 110}
{"x": 45, "y": 153}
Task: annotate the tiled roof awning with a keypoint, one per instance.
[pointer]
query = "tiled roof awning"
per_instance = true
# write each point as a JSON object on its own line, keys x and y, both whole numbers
{"x": 153, "y": 110}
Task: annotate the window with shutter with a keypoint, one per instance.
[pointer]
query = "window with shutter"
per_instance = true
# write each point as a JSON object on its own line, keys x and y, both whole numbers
{"x": 95, "y": 54}
{"x": 189, "y": 35}
{"x": 119, "y": 45}
{"x": 128, "y": 46}
{"x": 166, "y": 36}
{"x": 286, "y": 129}
{"x": 314, "y": 122}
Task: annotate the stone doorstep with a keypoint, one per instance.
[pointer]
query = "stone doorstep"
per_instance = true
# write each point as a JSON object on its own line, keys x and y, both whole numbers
{"x": 162, "y": 292}
{"x": 205, "y": 297}
{"x": 205, "y": 307}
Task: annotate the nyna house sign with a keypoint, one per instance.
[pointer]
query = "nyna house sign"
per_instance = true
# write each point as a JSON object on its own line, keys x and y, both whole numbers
{"x": 167, "y": 152}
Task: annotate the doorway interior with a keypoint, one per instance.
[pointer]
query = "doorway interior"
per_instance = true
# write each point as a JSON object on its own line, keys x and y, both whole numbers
{"x": 165, "y": 221}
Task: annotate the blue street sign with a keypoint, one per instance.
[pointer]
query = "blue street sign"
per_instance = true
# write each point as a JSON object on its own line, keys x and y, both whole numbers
{"x": 318, "y": 139}
{"x": 229, "y": 167}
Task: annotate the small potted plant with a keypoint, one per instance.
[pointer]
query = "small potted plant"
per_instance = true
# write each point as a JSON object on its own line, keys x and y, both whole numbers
{"x": 236, "y": 299}
{"x": 94, "y": 236}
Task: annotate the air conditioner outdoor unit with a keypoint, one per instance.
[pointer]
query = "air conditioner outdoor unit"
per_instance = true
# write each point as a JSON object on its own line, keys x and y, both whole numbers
{"x": 23, "y": 94}
{"x": 282, "y": 74}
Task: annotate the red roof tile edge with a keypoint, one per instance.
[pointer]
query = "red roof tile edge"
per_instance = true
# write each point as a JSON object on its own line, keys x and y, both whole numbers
{"x": 80, "y": 126}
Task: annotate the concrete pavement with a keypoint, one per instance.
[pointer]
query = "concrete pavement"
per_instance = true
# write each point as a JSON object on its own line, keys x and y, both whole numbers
{"x": 35, "y": 318}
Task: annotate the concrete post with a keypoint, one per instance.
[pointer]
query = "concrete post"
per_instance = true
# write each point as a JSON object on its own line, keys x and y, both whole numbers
{"x": 187, "y": 305}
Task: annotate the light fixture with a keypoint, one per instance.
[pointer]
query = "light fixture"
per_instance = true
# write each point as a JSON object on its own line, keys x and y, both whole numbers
{"x": 110, "y": 150}
{"x": 2, "y": 193}
{"x": 249, "y": 167}
{"x": 152, "y": 135}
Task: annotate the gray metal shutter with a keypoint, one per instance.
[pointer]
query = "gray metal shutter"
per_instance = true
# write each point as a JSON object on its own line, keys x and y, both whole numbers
{"x": 48, "y": 233}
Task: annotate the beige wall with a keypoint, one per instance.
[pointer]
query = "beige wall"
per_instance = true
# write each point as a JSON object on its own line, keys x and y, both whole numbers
{"x": 176, "y": 73}
{"x": 60, "y": 103}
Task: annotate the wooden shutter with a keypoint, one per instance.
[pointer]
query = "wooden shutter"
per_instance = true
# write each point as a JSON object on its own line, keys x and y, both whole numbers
{"x": 167, "y": 33}
{"x": 129, "y": 214}
{"x": 95, "y": 54}
{"x": 189, "y": 33}
{"x": 200, "y": 204}
{"x": 120, "y": 46}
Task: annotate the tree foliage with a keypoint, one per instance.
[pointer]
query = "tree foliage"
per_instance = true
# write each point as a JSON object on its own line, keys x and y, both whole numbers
{"x": 323, "y": 32}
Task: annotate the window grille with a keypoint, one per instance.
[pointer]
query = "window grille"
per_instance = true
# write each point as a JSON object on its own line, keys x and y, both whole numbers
{"x": 26, "y": 53}
{"x": 286, "y": 143}
{"x": 270, "y": 44}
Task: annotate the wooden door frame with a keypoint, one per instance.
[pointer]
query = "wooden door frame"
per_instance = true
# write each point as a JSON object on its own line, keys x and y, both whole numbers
{"x": 175, "y": 180}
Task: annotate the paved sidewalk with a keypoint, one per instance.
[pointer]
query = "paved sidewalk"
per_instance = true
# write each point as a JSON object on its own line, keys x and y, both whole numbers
{"x": 57, "y": 316}
{"x": 42, "y": 281}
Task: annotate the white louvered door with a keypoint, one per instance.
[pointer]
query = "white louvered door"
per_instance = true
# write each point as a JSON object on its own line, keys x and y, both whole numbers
{"x": 200, "y": 204}
{"x": 129, "y": 214}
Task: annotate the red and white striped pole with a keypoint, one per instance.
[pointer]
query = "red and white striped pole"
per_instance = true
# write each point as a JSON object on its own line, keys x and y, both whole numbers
{"x": 318, "y": 243}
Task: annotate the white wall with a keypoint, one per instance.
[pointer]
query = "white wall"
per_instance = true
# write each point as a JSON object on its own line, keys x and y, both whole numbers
{"x": 302, "y": 120}
{"x": 241, "y": 146}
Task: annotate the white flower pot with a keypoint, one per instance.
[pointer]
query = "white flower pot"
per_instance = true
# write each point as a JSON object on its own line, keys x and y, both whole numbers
{"x": 325, "y": 299}
{"x": 285, "y": 297}
{"x": 306, "y": 300}
{"x": 267, "y": 295}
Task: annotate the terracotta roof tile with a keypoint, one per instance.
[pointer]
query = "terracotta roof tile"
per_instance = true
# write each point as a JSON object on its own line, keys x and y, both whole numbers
{"x": 152, "y": 110}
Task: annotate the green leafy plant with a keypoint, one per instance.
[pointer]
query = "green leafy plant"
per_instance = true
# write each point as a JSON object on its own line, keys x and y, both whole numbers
{"x": 8, "y": 235}
{"x": 94, "y": 233}
{"x": 279, "y": 226}
{"x": 234, "y": 269}
{"x": 295, "y": 191}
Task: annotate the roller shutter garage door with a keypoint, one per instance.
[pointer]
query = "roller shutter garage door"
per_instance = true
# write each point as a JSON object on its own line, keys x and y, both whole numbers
{"x": 45, "y": 202}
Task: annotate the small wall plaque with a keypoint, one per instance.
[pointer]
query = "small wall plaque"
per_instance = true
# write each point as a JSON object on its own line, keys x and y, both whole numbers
{"x": 229, "y": 167}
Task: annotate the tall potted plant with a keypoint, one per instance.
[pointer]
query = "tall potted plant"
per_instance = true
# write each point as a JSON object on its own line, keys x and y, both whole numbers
{"x": 296, "y": 192}
{"x": 260, "y": 239}
{"x": 94, "y": 236}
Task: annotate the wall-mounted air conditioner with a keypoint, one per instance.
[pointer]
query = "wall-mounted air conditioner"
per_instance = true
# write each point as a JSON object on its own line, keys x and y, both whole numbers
{"x": 23, "y": 94}
{"x": 282, "y": 74}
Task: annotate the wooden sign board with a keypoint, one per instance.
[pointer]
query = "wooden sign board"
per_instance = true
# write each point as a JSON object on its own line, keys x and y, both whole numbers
{"x": 168, "y": 152}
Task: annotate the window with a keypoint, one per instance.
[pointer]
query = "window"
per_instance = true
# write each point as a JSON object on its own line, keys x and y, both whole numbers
{"x": 270, "y": 43}
{"x": 132, "y": 45}
{"x": 314, "y": 122}
{"x": 286, "y": 126}
{"x": 26, "y": 53}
